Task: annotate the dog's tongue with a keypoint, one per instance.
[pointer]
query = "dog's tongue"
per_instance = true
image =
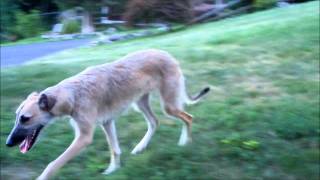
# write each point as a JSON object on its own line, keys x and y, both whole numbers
{"x": 25, "y": 145}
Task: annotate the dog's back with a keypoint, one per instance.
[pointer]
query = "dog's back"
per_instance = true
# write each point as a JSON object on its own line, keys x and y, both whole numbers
{"x": 113, "y": 86}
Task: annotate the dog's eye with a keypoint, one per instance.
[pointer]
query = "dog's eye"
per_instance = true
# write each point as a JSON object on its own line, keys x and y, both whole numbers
{"x": 24, "y": 119}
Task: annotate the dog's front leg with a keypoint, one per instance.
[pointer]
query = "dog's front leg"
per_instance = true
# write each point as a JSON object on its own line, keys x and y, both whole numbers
{"x": 111, "y": 134}
{"x": 81, "y": 140}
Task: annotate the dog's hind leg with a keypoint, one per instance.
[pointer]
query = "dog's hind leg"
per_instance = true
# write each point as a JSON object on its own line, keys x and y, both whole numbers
{"x": 111, "y": 134}
{"x": 172, "y": 92}
{"x": 185, "y": 136}
{"x": 152, "y": 122}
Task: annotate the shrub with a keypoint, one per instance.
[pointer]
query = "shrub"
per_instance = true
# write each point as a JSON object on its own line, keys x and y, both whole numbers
{"x": 163, "y": 10}
{"x": 28, "y": 24}
{"x": 7, "y": 16}
{"x": 263, "y": 4}
{"x": 71, "y": 26}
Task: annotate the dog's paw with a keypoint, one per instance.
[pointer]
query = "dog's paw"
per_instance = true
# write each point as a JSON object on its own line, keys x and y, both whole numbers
{"x": 111, "y": 169}
{"x": 41, "y": 178}
{"x": 137, "y": 150}
{"x": 134, "y": 152}
{"x": 184, "y": 141}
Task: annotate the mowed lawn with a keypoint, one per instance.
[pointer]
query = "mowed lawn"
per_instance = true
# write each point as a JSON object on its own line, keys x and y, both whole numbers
{"x": 261, "y": 120}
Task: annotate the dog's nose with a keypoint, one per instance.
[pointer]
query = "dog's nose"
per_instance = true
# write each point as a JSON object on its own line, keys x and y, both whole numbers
{"x": 9, "y": 143}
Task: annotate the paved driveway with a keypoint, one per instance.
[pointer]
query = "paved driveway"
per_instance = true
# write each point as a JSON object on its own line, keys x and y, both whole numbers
{"x": 19, "y": 54}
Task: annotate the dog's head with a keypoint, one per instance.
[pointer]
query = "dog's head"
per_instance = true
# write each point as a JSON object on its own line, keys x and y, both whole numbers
{"x": 31, "y": 116}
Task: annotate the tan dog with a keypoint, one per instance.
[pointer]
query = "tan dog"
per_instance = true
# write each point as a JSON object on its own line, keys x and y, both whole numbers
{"x": 99, "y": 94}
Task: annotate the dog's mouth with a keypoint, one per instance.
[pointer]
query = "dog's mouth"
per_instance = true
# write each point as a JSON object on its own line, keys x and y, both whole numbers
{"x": 30, "y": 139}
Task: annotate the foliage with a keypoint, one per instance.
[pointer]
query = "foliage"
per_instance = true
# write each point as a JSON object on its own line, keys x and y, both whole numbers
{"x": 261, "y": 119}
{"x": 10, "y": 9}
{"x": 263, "y": 4}
{"x": 43, "y": 6}
{"x": 6, "y": 18}
{"x": 28, "y": 24}
{"x": 146, "y": 11}
{"x": 90, "y": 5}
{"x": 71, "y": 26}
{"x": 93, "y": 6}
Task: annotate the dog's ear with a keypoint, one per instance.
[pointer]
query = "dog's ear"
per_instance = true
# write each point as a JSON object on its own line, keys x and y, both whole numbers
{"x": 46, "y": 102}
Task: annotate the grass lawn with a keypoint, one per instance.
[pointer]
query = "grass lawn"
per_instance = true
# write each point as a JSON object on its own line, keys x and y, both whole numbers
{"x": 261, "y": 121}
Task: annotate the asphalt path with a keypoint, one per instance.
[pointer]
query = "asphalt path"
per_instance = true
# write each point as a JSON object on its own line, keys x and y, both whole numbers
{"x": 19, "y": 54}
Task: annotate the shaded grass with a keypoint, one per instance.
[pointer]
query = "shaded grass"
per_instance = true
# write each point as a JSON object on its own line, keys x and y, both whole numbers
{"x": 260, "y": 122}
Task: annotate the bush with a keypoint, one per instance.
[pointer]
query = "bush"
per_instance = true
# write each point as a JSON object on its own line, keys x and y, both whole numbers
{"x": 7, "y": 17}
{"x": 263, "y": 4}
{"x": 28, "y": 24}
{"x": 71, "y": 26}
{"x": 151, "y": 10}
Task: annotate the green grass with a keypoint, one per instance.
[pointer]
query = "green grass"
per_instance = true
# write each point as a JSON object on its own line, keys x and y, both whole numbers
{"x": 259, "y": 122}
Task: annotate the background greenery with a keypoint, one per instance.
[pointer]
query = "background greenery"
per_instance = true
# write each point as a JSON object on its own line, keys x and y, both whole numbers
{"x": 28, "y": 24}
{"x": 22, "y": 19}
{"x": 259, "y": 122}
{"x": 71, "y": 26}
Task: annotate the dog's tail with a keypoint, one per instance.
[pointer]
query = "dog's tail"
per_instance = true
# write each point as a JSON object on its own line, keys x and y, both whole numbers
{"x": 192, "y": 99}
{"x": 195, "y": 98}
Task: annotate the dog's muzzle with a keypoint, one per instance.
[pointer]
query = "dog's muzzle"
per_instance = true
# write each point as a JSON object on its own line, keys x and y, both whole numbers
{"x": 23, "y": 136}
{"x": 16, "y": 136}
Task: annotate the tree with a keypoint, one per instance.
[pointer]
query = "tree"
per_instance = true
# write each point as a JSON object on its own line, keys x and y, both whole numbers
{"x": 8, "y": 9}
{"x": 11, "y": 9}
{"x": 28, "y": 24}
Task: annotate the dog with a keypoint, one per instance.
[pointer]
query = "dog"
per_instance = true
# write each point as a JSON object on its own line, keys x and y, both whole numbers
{"x": 98, "y": 95}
